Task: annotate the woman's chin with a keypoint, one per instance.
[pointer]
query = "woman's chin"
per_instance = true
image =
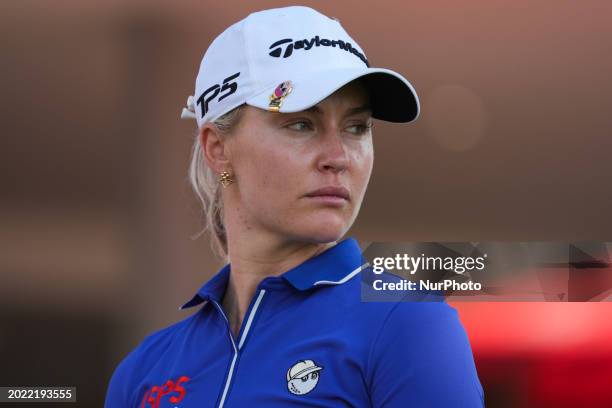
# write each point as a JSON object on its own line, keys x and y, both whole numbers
{"x": 324, "y": 229}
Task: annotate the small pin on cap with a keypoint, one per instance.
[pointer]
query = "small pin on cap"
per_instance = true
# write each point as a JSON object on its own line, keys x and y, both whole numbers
{"x": 279, "y": 94}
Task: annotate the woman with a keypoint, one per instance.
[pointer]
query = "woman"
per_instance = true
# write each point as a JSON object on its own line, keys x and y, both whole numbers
{"x": 284, "y": 105}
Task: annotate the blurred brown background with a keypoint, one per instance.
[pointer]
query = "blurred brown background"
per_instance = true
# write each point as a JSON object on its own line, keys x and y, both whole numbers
{"x": 96, "y": 214}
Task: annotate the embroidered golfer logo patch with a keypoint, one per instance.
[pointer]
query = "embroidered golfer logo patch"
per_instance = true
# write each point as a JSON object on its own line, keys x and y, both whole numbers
{"x": 303, "y": 377}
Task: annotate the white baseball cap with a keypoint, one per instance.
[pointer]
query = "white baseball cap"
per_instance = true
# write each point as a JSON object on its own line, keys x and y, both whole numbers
{"x": 287, "y": 60}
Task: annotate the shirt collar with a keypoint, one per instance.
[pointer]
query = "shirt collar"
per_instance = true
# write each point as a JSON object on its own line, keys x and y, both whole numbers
{"x": 333, "y": 266}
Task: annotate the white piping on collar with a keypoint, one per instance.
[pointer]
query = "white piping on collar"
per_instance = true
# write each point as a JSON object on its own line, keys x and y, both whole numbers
{"x": 321, "y": 282}
{"x": 347, "y": 277}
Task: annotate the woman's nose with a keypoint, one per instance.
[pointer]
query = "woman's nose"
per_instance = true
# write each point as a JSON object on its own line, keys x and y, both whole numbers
{"x": 333, "y": 154}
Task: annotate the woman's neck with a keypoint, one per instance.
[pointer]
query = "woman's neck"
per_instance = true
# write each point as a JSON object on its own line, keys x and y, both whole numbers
{"x": 254, "y": 258}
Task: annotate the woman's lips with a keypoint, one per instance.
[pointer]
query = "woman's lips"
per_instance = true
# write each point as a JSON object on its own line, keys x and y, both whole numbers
{"x": 331, "y": 195}
{"x": 329, "y": 200}
{"x": 339, "y": 191}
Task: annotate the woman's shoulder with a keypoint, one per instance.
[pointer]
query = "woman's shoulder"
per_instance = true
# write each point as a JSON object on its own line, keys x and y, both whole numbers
{"x": 139, "y": 361}
{"x": 378, "y": 299}
{"x": 412, "y": 314}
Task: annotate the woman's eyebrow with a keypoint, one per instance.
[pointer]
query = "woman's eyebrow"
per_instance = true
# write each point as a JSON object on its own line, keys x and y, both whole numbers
{"x": 359, "y": 109}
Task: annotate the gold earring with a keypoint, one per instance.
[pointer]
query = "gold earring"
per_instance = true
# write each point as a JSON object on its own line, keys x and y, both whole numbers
{"x": 225, "y": 178}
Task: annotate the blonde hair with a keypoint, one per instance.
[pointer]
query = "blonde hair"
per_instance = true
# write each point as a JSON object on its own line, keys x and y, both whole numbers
{"x": 206, "y": 186}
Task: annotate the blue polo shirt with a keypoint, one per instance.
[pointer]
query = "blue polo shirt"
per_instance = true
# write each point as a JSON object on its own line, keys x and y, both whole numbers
{"x": 307, "y": 339}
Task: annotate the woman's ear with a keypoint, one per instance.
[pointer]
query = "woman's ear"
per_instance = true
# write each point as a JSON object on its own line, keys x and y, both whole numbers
{"x": 213, "y": 147}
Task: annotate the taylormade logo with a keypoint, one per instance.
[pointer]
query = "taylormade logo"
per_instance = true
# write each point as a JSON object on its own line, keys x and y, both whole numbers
{"x": 286, "y": 46}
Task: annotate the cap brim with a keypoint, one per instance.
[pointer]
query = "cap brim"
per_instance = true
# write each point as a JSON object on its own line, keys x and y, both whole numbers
{"x": 392, "y": 97}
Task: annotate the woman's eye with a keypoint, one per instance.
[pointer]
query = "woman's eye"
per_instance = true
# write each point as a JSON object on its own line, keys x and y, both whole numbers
{"x": 356, "y": 129}
{"x": 359, "y": 129}
{"x": 301, "y": 125}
